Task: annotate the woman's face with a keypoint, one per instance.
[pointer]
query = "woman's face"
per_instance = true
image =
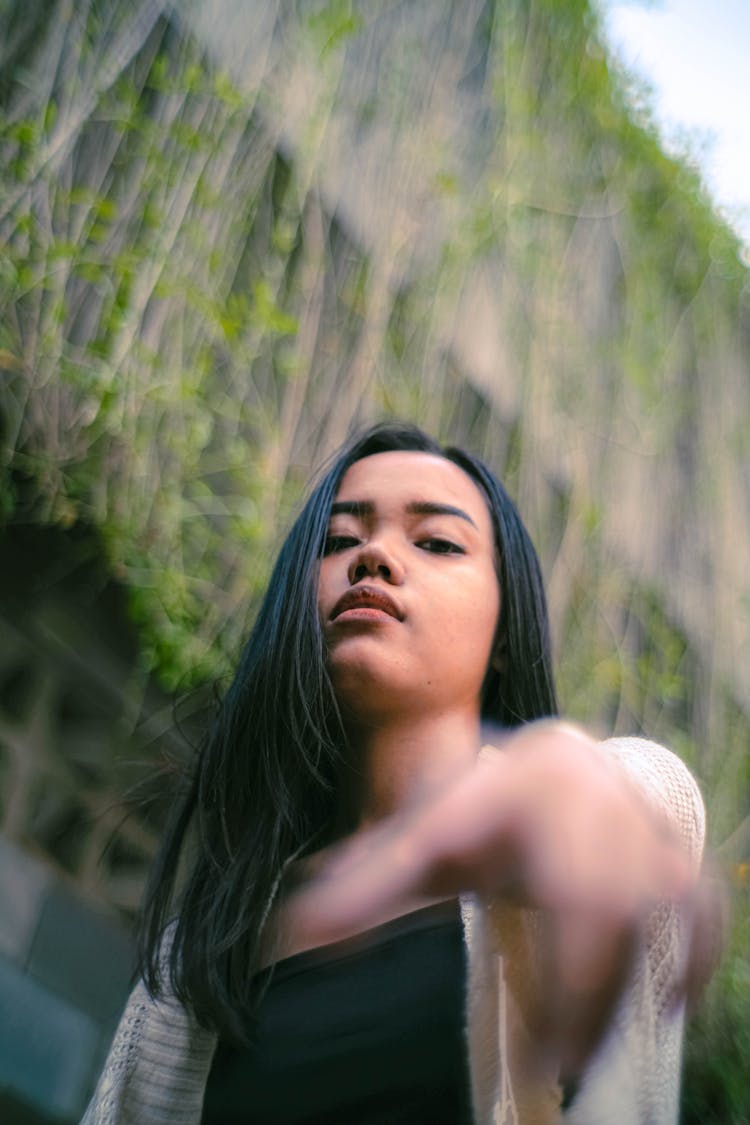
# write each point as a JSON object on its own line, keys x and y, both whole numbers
{"x": 408, "y": 594}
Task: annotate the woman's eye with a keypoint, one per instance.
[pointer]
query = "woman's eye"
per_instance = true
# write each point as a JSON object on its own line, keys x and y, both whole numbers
{"x": 437, "y": 546}
{"x": 336, "y": 543}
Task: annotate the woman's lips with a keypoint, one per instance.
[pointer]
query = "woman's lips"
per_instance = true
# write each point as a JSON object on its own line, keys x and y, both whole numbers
{"x": 366, "y": 599}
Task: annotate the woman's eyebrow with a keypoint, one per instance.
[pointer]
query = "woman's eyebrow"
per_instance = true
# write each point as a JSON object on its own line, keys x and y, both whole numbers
{"x": 360, "y": 508}
{"x": 430, "y": 508}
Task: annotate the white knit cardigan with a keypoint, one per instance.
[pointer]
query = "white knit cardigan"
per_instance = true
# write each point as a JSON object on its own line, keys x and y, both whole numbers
{"x": 160, "y": 1058}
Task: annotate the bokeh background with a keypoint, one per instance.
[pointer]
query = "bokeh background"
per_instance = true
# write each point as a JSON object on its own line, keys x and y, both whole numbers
{"x": 232, "y": 230}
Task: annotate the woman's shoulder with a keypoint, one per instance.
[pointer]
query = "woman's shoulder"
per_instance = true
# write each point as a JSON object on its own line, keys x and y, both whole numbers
{"x": 666, "y": 783}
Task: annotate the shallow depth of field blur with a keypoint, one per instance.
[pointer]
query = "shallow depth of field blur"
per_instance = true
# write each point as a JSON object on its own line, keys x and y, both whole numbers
{"x": 230, "y": 232}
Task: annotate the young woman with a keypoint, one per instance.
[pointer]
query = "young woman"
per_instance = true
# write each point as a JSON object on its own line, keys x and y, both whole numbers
{"x": 397, "y": 889}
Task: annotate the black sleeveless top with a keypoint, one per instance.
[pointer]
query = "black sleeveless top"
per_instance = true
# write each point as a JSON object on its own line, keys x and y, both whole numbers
{"x": 364, "y": 1032}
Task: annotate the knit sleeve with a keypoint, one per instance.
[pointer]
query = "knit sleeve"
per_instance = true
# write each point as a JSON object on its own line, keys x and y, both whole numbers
{"x": 667, "y": 785}
{"x": 634, "y": 1079}
{"x": 157, "y": 1066}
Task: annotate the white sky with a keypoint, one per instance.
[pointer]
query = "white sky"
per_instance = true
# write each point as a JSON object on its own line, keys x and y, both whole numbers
{"x": 695, "y": 54}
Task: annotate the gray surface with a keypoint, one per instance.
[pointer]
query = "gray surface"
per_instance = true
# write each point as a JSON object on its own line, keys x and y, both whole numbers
{"x": 23, "y": 885}
{"x": 48, "y": 1048}
{"x": 81, "y": 955}
{"x": 65, "y": 969}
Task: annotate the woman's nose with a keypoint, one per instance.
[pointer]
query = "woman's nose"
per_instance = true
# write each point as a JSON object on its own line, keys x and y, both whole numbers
{"x": 375, "y": 560}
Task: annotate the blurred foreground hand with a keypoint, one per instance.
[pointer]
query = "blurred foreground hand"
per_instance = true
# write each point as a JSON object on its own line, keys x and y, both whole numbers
{"x": 552, "y": 823}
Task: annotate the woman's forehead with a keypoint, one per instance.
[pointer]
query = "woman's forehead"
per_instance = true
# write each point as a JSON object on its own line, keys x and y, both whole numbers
{"x": 400, "y": 477}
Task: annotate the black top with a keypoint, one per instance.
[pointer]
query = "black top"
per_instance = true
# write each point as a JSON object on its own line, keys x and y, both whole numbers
{"x": 364, "y": 1032}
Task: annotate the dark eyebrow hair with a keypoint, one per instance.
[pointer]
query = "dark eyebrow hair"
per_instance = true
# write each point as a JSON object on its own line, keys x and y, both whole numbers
{"x": 362, "y": 508}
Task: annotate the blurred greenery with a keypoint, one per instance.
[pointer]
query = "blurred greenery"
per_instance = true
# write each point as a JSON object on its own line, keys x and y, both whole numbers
{"x": 212, "y": 264}
{"x": 715, "y": 1073}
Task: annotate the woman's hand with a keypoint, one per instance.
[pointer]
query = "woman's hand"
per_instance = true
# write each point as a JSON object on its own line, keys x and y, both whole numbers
{"x": 550, "y": 822}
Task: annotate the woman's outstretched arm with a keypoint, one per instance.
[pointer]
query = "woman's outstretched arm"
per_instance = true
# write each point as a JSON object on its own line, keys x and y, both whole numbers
{"x": 590, "y": 837}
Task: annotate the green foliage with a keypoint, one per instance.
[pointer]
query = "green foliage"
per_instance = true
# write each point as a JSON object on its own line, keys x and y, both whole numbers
{"x": 332, "y": 24}
{"x": 118, "y": 314}
{"x": 715, "y": 1088}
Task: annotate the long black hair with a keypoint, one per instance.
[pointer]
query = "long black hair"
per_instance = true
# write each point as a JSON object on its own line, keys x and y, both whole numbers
{"x": 264, "y": 786}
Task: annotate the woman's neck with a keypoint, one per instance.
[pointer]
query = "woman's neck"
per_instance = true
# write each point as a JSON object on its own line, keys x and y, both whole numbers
{"x": 391, "y": 766}
{"x": 400, "y": 762}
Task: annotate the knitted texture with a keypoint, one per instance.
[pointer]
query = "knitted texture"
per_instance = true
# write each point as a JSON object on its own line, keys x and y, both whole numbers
{"x": 157, "y": 1067}
{"x": 635, "y": 1077}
